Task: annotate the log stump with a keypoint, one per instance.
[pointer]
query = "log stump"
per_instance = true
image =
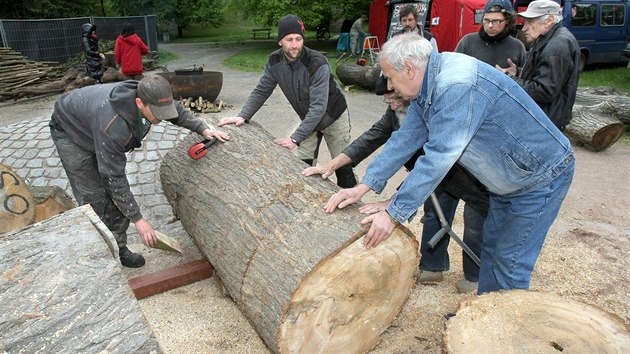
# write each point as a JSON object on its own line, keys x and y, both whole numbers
{"x": 17, "y": 208}
{"x": 301, "y": 276}
{"x": 349, "y": 73}
{"x": 50, "y": 201}
{"x": 520, "y": 321}
{"x": 595, "y": 125}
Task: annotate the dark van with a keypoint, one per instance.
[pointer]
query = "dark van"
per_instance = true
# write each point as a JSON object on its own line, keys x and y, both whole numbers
{"x": 600, "y": 26}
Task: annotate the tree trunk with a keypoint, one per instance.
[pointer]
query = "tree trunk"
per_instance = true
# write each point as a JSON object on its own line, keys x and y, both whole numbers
{"x": 521, "y": 321}
{"x": 594, "y": 125}
{"x": 301, "y": 276}
{"x": 619, "y": 102}
{"x": 62, "y": 291}
{"x": 349, "y": 73}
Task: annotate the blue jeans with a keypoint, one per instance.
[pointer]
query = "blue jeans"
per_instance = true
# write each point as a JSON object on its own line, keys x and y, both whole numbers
{"x": 436, "y": 259}
{"x": 515, "y": 230}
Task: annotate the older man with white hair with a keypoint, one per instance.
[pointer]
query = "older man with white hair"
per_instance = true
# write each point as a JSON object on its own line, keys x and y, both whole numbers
{"x": 466, "y": 111}
{"x": 552, "y": 65}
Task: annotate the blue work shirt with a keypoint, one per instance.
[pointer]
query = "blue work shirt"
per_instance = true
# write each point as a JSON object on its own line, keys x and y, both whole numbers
{"x": 471, "y": 113}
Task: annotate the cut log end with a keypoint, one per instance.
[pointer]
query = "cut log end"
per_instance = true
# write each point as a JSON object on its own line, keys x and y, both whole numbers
{"x": 17, "y": 208}
{"x": 354, "y": 294}
{"x": 607, "y": 136}
{"x": 521, "y": 321}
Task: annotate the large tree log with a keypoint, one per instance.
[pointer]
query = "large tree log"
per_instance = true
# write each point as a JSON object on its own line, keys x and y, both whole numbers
{"x": 63, "y": 292}
{"x": 302, "y": 277}
{"x": 595, "y": 125}
{"x": 521, "y": 321}
{"x": 349, "y": 73}
{"x": 619, "y": 102}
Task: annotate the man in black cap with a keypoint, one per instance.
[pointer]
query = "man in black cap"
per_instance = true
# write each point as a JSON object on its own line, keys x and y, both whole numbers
{"x": 93, "y": 127}
{"x": 306, "y": 81}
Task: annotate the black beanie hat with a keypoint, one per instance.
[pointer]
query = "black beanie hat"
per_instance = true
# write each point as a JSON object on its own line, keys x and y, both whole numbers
{"x": 290, "y": 24}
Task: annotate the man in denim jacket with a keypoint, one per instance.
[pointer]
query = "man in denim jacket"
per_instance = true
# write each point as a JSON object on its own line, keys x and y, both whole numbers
{"x": 466, "y": 111}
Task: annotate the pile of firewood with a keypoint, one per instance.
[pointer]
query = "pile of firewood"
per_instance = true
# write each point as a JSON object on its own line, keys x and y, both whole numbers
{"x": 200, "y": 105}
{"x": 17, "y": 71}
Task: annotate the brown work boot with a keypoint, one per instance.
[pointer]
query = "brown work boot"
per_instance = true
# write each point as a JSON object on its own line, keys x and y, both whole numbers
{"x": 465, "y": 286}
{"x": 429, "y": 277}
{"x": 129, "y": 259}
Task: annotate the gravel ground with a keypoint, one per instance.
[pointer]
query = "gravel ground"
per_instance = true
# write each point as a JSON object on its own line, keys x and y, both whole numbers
{"x": 586, "y": 256}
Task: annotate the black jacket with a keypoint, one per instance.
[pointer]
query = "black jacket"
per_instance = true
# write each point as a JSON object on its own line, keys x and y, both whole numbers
{"x": 90, "y": 46}
{"x": 550, "y": 73}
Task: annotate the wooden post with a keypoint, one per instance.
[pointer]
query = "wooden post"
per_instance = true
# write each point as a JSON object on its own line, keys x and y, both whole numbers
{"x": 301, "y": 276}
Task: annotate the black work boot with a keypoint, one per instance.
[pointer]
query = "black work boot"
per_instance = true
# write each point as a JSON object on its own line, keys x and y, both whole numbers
{"x": 129, "y": 259}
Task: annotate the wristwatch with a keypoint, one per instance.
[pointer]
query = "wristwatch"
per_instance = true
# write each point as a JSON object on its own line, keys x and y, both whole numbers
{"x": 294, "y": 141}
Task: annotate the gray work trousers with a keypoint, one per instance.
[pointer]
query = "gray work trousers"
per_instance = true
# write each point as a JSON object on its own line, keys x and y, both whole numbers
{"x": 82, "y": 171}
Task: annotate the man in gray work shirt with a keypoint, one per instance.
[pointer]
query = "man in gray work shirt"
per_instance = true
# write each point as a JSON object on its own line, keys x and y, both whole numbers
{"x": 306, "y": 81}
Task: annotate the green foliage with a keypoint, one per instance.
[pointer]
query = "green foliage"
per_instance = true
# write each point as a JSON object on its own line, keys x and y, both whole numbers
{"x": 41, "y": 9}
{"x": 181, "y": 14}
{"x": 268, "y": 12}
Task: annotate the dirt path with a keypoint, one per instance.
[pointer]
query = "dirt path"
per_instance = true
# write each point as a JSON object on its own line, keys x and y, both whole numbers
{"x": 586, "y": 256}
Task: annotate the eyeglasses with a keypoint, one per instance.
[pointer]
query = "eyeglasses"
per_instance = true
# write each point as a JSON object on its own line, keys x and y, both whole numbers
{"x": 494, "y": 22}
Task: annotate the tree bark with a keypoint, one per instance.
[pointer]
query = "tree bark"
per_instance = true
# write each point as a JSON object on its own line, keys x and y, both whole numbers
{"x": 619, "y": 102}
{"x": 301, "y": 276}
{"x": 519, "y": 321}
{"x": 62, "y": 291}
{"x": 349, "y": 73}
{"x": 595, "y": 125}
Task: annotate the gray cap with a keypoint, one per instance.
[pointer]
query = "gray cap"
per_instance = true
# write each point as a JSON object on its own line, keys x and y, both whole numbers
{"x": 539, "y": 8}
{"x": 156, "y": 92}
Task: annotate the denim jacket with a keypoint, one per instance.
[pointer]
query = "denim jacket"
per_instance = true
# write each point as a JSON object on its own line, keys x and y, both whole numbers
{"x": 471, "y": 113}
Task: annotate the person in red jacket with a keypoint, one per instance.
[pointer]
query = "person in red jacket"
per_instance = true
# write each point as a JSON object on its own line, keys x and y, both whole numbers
{"x": 128, "y": 51}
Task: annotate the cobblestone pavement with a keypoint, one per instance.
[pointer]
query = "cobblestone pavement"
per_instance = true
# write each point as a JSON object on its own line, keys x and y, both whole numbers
{"x": 27, "y": 148}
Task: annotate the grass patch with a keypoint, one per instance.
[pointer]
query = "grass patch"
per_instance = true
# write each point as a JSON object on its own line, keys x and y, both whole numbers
{"x": 165, "y": 56}
{"x": 608, "y": 75}
{"x": 254, "y": 59}
{"x": 250, "y": 60}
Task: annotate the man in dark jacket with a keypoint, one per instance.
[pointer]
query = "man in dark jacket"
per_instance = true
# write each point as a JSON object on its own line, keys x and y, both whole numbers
{"x": 93, "y": 66}
{"x": 551, "y": 69}
{"x": 93, "y": 127}
{"x": 305, "y": 79}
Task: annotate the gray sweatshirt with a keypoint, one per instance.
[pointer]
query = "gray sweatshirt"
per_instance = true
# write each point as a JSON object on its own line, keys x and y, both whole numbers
{"x": 308, "y": 85}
